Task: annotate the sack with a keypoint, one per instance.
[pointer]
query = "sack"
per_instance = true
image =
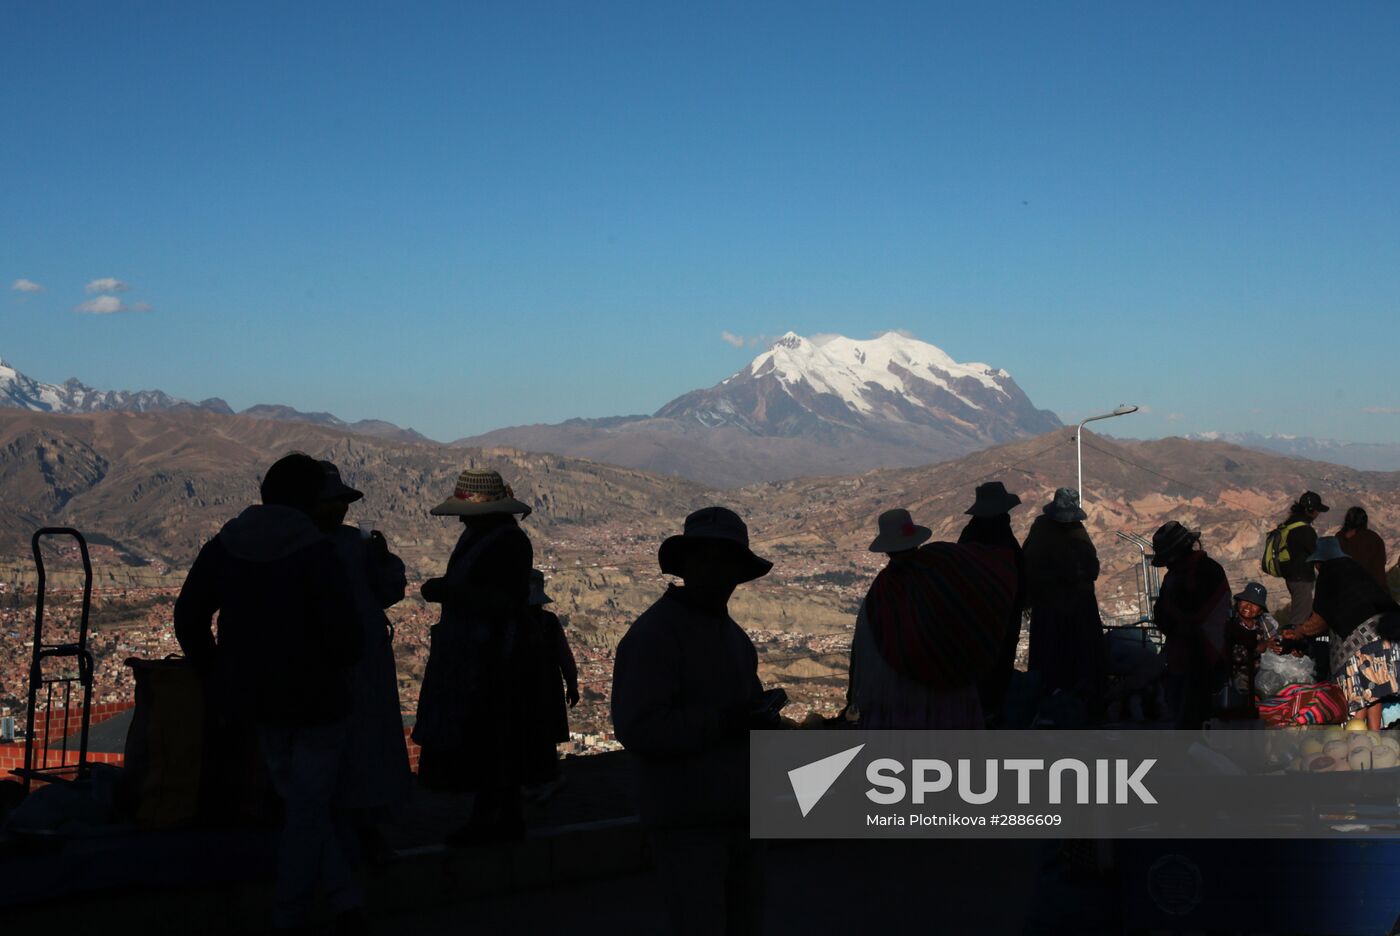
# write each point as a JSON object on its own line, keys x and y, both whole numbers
{"x": 1276, "y": 555}
{"x": 1320, "y": 703}
{"x": 164, "y": 745}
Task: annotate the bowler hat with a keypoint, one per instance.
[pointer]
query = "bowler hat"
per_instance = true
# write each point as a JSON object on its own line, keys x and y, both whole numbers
{"x": 538, "y": 596}
{"x": 712, "y": 525}
{"x": 993, "y": 500}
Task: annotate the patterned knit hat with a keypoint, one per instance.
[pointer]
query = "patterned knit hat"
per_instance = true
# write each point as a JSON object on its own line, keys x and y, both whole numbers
{"x": 480, "y": 492}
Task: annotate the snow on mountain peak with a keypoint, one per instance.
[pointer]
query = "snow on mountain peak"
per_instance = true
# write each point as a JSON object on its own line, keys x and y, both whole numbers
{"x": 848, "y": 367}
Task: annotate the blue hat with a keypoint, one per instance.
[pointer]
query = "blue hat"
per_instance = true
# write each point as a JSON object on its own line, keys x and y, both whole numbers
{"x": 1255, "y": 594}
{"x": 1328, "y": 548}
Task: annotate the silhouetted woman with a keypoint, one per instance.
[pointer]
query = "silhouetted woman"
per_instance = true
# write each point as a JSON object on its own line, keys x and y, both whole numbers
{"x": 469, "y": 708}
{"x": 1066, "y": 646}
{"x": 1363, "y": 544}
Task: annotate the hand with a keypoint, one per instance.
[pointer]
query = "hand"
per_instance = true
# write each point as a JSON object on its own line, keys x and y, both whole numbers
{"x": 572, "y": 695}
{"x": 378, "y": 545}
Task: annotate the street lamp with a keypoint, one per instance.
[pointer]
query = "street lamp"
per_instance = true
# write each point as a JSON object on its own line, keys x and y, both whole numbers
{"x": 1122, "y": 409}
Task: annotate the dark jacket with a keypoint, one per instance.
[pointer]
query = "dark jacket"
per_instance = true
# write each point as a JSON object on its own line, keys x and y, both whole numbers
{"x": 1191, "y": 612}
{"x": 684, "y": 684}
{"x": 996, "y": 531}
{"x": 1301, "y": 543}
{"x": 1059, "y": 559}
{"x": 288, "y": 632}
{"x": 1346, "y": 596}
{"x": 1368, "y": 549}
{"x": 471, "y": 691}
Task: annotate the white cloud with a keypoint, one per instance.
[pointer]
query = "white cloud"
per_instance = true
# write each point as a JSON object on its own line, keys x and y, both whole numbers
{"x": 747, "y": 341}
{"x": 107, "y": 284}
{"x": 26, "y": 286}
{"x": 1175, "y": 417}
{"x": 141, "y": 307}
{"x": 1382, "y": 410}
{"x": 102, "y": 305}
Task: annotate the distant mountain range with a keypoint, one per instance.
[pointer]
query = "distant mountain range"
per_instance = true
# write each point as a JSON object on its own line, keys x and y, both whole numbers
{"x": 1366, "y": 456}
{"x": 806, "y": 407}
{"x": 154, "y": 486}
{"x": 72, "y": 396}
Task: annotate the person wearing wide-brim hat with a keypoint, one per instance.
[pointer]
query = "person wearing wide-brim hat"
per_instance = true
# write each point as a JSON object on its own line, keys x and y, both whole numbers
{"x": 476, "y": 685}
{"x": 993, "y": 500}
{"x": 1251, "y": 633}
{"x": 377, "y": 773}
{"x": 685, "y": 693}
{"x": 898, "y": 533}
{"x": 1062, "y": 565}
{"x": 1193, "y": 611}
{"x": 989, "y": 524}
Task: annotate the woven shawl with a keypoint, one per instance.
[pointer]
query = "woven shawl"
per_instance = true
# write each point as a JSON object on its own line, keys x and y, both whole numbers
{"x": 939, "y": 616}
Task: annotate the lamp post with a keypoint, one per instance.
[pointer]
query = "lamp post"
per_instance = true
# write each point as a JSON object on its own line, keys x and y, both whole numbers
{"x": 1123, "y": 409}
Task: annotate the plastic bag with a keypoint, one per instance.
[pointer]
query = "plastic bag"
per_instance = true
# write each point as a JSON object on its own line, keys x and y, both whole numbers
{"x": 1279, "y": 670}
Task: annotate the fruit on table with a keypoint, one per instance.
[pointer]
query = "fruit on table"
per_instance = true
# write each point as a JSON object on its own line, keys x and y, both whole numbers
{"x": 1383, "y": 757}
{"x": 1356, "y": 724}
{"x": 1336, "y": 749}
{"x": 1312, "y": 746}
{"x": 1359, "y": 759}
{"x": 1322, "y": 764}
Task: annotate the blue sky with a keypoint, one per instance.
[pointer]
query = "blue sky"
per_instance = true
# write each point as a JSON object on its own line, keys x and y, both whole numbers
{"x": 461, "y": 216}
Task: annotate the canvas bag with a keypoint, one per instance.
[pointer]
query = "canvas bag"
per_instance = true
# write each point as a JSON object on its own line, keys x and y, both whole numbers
{"x": 164, "y": 745}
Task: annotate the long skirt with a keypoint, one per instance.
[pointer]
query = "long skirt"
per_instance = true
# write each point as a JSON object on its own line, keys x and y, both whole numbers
{"x": 1067, "y": 646}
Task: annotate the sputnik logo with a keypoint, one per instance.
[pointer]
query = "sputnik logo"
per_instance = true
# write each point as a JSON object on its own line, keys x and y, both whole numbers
{"x": 811, "y": 781}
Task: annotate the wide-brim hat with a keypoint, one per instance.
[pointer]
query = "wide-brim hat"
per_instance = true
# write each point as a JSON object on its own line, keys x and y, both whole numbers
{"x": 538, "y": 597}
{"x": 1328, "y": 548}
{"x": 1170, "y": 540}
{"x": 899, "y": 532}
{"x": 333, "y": 488}
{"x": 1255, "y": 594}
{"x": 479, "y": 493}
{"x": 993, "y": 499}
{"x": 710, "y": 525}
{"x": 1064, "y": 507}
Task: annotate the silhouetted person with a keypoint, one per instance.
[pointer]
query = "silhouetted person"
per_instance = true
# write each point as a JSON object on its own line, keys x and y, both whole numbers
{"x": 1191, "y": 612}
{"x": 553, "y": 690}
{"x": 1363, "y": 544}
{"x": 288, "y": 637}
{"x": 377, "y": 775}
{"x": 1300, "y": 541}
{"x": 928, "y": 630}
{"x": 1363, "y": 623}
{"x": 1062, "y": 565}
{"x": 470, "y": 706}
{"x": 991, "y": 526}
{"x": 685, "y": 693}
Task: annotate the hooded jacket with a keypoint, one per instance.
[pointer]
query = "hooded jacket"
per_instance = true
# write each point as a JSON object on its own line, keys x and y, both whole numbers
{"x": 288, "y": 632}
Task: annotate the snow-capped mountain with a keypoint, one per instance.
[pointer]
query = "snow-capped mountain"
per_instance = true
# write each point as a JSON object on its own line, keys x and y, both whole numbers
{"x": 73, "y": 396}
{"x": 890, "y": 383}
{"x": 18, "y": 391}
{"x": 808, "y": 406}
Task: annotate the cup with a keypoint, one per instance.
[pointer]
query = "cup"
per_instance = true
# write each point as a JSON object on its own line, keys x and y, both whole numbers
{"x": 366, "y": 528}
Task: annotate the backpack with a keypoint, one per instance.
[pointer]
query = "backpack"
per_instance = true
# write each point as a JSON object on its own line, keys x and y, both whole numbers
{"x": 1276, "y": 554}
